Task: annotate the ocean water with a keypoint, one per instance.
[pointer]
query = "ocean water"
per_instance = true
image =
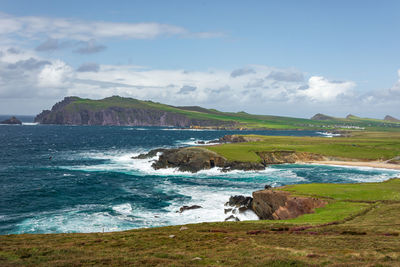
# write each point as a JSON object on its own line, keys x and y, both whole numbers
{"x": 82, "y": 179}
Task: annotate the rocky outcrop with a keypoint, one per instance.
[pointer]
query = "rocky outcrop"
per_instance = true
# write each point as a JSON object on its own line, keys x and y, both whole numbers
{"x": 282, "y": 156}
{"x": 192, "y": 159}
{"x": 12, "y": 120}
{"x": 236, "y": 205}
{"x": 280, "y": 205}
{"x": 120, "y": 111}
{"x": 193, "y": 207}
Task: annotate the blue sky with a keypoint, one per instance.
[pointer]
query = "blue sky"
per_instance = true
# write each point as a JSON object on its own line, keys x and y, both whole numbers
{"x": 297, "y": 57}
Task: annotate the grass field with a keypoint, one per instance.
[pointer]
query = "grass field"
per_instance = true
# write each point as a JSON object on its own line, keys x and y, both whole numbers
{"x": 360, "y": 146}
{"x": 360, "y": 227}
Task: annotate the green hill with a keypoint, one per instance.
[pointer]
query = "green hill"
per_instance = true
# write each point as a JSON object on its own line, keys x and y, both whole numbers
{"x": 117, "y": 110}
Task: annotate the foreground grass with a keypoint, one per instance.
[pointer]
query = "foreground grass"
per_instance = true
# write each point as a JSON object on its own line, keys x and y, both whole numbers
{"x": 360, "y": 146}
{"x": 343, "y": 233}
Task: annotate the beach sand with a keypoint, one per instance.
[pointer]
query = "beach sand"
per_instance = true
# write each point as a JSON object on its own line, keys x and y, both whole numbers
{"x": 372, "y": 164}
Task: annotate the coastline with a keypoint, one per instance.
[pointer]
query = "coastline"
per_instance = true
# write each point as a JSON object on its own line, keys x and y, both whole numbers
{"x": 371, "y": 164}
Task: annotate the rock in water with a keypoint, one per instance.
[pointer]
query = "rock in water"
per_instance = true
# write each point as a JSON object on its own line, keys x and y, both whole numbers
{"x": 240, "y": 201}
{"x": 12, "y": 120}
{"x": 232, "y": 218}
{"x": 192, "y": 159}
{"x": 239, "y": 204}
{"x": 183, "y": 208}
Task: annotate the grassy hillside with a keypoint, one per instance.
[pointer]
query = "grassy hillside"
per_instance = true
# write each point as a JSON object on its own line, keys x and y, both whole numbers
{"x": 361, "y": 146}
{"x": 242, "y": 119}
{"x": 359, "y": 227}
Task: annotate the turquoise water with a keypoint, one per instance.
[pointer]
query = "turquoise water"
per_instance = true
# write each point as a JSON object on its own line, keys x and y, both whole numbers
{"x": 82, "y": 179}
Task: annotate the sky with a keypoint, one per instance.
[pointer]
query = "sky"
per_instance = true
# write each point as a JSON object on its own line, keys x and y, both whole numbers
{"x": 289, "y": 58}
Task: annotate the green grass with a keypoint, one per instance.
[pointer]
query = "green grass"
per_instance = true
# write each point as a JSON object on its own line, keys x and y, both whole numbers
{"x": 333, "y": 212}
{"x": 360, "y": 146}
{"x": 343, "y": 233}
{"x": 385, "y": 191}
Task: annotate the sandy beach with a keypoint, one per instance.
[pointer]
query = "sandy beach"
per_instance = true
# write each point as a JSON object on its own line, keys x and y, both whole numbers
{"x": 372, "y": 164}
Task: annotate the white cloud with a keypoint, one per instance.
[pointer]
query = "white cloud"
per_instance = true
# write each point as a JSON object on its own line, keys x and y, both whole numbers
{"x": 28, "y": 76}
{"x": 321, "y": 89}
{"x": 56, "y": 75}
{"x": 75, "y": 29}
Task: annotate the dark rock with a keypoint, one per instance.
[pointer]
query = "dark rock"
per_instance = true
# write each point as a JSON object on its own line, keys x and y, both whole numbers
{"x": 267, "y": 186}
{"x": 200, "y": 142}
{"x": 232, "y": 218}
{"x": 227, "y": 210}
{"x": 213, "y": 142}
{"x": 192, "y": 159}
{"x": 240, "y": 201}
{"x": 244, "y": 166}
{"x": 12, "y": 120}
{"x": 183, "y": 208}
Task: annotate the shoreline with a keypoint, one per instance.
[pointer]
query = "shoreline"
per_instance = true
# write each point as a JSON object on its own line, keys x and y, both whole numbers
{"x": 371, "y": 164}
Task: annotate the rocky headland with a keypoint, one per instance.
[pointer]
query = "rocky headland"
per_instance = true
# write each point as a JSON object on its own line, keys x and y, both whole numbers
{"x": 270, "y": 204}
{"x": 194, "y": 159}
{"x": 121, "y": 112}
{"x": 12, "y": 120}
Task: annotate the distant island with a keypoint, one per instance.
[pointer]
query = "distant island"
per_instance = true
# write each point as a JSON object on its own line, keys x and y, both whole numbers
{"x": 12, "y": 120}
{"x": 122, "y": 111}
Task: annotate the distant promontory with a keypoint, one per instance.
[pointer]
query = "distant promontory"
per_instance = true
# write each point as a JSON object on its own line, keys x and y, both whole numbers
{"x": 117, "y": 110}
{"x": 123, "y": 111}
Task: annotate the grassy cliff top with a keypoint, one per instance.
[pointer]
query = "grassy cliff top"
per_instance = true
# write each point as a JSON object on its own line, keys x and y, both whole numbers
{"x": 361, "y": 232}
{"x": 242, "y": 119}
{"x": 360, "y": 146}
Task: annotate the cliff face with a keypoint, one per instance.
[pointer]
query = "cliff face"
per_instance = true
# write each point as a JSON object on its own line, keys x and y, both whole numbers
{"x": 280, "y": 205}
{"x": 71, "y": 112}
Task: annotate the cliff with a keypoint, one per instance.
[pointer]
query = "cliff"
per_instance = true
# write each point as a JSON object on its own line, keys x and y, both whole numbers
{"x": 280, "y": 205}
{"x": 120, "y": 111}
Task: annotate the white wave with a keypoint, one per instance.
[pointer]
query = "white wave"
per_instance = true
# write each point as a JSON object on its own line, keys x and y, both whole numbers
{"x": 136, "y": 129}
{"x": 328, "y": 134}
{"x": 193, "y": 142}
{"x": 124, "y": 209}
{"x": 30, "y": 123}
{"x": 212, "y": 201}
{"x": 82, "y": 218}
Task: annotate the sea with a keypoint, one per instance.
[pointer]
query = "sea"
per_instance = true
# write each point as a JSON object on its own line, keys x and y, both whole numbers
{"x": 63, "y": 179}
